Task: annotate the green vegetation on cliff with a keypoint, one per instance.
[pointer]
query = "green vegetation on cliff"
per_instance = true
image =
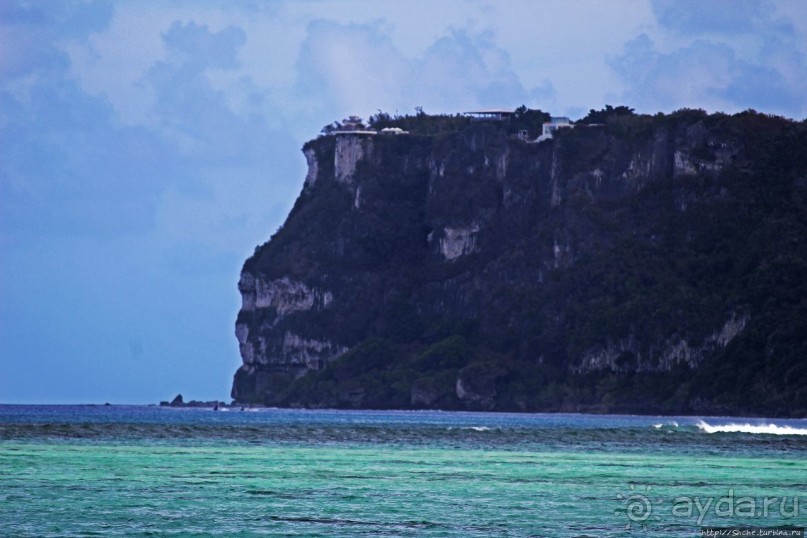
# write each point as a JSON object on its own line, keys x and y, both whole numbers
{"x": 634, "y": 263}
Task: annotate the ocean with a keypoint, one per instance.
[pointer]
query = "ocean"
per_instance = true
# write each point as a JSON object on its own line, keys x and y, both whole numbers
{"x": 155, "y": 471}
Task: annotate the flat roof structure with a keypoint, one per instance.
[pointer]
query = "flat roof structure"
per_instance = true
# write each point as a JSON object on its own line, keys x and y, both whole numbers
{"x": 490, "y": 114}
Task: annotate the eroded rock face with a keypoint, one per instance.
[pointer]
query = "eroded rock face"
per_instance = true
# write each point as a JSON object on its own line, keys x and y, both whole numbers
{"x": 456, "y": 242}
{"x": 313, "y": 167}
{"x": 282, "y": 295}
{"x": 312, "y": 353}
{"x": 476, "y": 385}
{"x": 629, "y": 355}
{"x": 570, "y": 268}
{"x": 264, "y": 347}
{"x": 348, "y": 152}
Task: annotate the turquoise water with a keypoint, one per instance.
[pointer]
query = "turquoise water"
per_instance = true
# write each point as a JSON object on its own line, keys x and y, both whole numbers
{"x": 146, "y": 471}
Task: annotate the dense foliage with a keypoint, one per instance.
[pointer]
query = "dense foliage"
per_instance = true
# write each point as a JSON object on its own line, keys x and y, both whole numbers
{"x": 607, "y": 114}
{"x": 618, "y": 240}
{"x": 421, "y": 123}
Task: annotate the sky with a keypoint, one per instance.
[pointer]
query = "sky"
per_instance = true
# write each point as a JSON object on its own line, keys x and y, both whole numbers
{"x": 147, "y": 147}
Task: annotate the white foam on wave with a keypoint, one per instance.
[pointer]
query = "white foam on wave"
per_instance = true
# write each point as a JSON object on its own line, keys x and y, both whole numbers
{"x": 770, "y": 429}
{"x": 474, "y": 428}
{"x": 672, "y": 424}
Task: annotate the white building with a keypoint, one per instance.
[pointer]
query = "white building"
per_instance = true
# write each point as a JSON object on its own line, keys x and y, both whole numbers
{"x": 393, "y": 131}
{"x": 550, "y": 127}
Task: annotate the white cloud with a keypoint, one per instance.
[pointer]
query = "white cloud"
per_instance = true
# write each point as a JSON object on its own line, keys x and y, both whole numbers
{"x": 348, "y": 69}
{"x": 690, "y": 77}
{"x": 357, "y": 69}
{"x": 702, "y": 55}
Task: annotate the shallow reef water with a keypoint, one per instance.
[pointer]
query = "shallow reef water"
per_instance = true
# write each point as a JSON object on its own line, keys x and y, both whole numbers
{"x": 150, "y": 471}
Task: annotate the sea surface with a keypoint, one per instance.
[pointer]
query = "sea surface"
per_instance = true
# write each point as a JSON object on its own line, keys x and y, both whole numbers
{"x": 153, "y": 471}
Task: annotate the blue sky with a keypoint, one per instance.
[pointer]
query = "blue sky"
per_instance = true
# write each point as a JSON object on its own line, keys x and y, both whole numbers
{"x": 147, "y": 147}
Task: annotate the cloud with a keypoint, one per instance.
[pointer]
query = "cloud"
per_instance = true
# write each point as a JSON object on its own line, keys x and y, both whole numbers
{"x": 70, "y": 167}
{"x": 712, "y": 16}
{"x": 690, "y": 77}
{"x": 467, "y": 70}
{"x": 196, "y": 45}
{"x": 242, "y": 171}
{"x": 715, "y": 58}
{"x": 357, "y": 68}
{"x": 117, "y": 231}
{"x": 28, "y": 31}
{"x": 67, "y": 168}
{"x": 189, "y": 109}
{"x": 349, "y": 68}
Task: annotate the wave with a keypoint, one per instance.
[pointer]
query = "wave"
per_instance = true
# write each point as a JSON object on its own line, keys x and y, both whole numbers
{"x": 770, "y": 429}
{"x": 672, "y": 424}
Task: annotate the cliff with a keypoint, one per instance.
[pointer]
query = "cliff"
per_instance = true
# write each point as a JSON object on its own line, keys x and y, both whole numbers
{"x": 646, "y": 264}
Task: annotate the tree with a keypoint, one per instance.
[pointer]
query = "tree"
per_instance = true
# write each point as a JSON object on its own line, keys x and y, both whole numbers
{"x": 528, "y": 120}
{"x": 331, "y": 127}
{"x": 602, "y": 116}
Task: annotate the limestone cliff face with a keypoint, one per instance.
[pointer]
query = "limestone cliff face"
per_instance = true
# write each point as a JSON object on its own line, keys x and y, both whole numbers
{"x": 615, "y": 267}
{"x": 265, "y": 346}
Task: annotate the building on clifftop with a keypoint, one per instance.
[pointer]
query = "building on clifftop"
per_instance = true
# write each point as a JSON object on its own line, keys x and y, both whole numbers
{"x": 491, "y": 114}
{"x": 550, "y": 127}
